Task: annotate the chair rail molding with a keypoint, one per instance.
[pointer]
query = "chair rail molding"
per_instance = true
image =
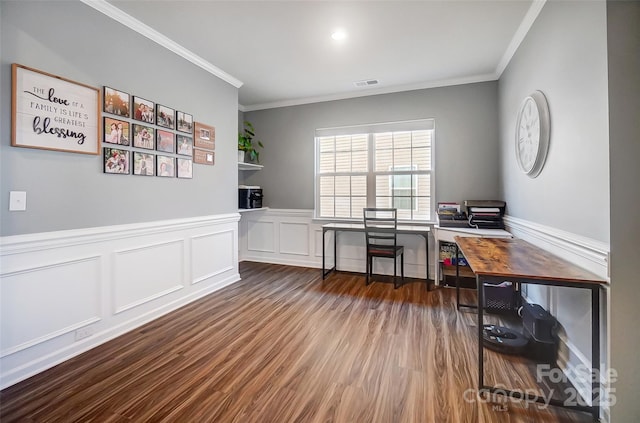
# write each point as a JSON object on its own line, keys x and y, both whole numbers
{"x": 580, "y": 250}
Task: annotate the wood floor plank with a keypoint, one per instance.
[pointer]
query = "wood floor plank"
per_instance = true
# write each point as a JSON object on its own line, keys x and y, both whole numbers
{"x": 283, "y": 345}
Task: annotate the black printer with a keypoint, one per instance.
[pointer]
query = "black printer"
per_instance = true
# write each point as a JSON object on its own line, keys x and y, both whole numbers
{"x": 249, "y": 197}
{"x": 485, "y": 214}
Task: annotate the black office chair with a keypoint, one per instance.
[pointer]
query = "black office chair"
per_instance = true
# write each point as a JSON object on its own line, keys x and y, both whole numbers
{"x": 380, "y": 226}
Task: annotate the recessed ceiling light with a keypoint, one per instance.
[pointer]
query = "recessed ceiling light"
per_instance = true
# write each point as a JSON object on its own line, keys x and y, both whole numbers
{"x": 339, "y": 35}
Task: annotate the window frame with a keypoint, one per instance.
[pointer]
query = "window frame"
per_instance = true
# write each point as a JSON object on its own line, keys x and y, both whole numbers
{"x": 371, "y": 174}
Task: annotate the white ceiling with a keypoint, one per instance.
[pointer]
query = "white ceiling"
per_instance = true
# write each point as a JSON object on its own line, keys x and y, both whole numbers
{"x": 283, "y": 53}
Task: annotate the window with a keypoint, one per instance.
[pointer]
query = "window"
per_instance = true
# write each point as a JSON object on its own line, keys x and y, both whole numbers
{"x": 383, "y": 165}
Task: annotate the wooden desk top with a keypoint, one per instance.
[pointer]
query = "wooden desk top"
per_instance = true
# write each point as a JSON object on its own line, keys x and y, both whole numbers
{"x": 515, "y": 258}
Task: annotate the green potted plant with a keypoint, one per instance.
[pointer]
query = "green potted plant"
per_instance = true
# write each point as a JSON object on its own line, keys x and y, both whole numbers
{"x": 247, "y": 145}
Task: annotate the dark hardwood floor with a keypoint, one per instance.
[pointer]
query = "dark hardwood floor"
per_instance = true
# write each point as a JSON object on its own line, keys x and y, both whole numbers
{"x": 284, "y": 346}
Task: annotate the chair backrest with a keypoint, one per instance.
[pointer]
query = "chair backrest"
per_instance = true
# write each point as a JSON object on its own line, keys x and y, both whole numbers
{"x": 380, "y": 226}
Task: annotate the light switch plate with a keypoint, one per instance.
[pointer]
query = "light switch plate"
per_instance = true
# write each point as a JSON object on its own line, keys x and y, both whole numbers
{"x": 17, "y": 201}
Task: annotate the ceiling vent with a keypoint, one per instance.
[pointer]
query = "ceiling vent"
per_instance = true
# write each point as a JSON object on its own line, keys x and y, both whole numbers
{"x": 366, "y": 83}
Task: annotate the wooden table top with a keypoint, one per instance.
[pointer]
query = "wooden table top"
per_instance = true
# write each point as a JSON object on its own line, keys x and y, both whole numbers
{"x": 515, "y": 258}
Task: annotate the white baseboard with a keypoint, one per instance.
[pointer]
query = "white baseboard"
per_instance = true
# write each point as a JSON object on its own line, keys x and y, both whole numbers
{"x": 63, "y": 293}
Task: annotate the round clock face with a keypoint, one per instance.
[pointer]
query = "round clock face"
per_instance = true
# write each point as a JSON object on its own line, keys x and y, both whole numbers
{"x": 532, "y": 134}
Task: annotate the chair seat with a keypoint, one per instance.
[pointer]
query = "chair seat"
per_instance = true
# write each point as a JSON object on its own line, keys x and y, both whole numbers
{"x": 380, "y": 225}
{"x": 384, "y": 251}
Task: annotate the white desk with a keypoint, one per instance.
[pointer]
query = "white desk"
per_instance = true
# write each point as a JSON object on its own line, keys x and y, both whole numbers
{"x": 448, "y": 234}
{"x": 359, "y": 227}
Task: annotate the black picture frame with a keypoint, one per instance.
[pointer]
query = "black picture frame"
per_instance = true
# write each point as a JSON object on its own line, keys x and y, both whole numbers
{"x": 184, "y": 145}
{"x": 143, "y": 110}
{"x": 184, "y": 122}
{"x": 165, "y": 116}
{"x": 184, "y": 168}
{"x": 165, "y": 141}
{"x": 144, "y": 137}
{"x": 115, "y": 161}
{"x": 116, "y": 102}
{"x": 116, "y": 131}
{"x": 165, "y": 166}
{"x": 144, "y": 163}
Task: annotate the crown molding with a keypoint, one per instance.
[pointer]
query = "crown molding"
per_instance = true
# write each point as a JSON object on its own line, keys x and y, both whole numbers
{"x": 145, "y": 30}
{"x": 520, "y": 34}
{"x": 370, "y": 92}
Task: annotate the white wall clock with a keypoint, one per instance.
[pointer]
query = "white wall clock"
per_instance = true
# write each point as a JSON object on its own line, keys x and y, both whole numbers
{"x": 532, "y": 134}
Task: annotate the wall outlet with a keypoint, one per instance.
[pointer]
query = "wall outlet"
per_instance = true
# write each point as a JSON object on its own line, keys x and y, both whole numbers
{"x": 84, "y": 332}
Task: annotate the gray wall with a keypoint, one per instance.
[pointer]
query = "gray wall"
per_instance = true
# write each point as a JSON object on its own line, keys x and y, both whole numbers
{"x": 68, "y": 191}
{"x": 623, "y": 20}
{"x": 465, "y": 148}
{"x": 564, "y": 56}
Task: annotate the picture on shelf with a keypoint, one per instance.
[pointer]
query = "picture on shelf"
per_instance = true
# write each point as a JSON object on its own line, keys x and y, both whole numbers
{"x": 165, "y": 166}
{"x": 116, "y": 102}
{"x": 116, "y": 131}
{"x": 143, "y": 164}
{"x": 143, "y": 137}
{"x": 165, "y": 116}
{"x": 143, "y": 110}
{"x": 185, "y": 122}
{"x": 184, "y": 145}
{"x": 116, "y": 161}
{"x": 185, "y": 168}
{"x": 165, "y": 141}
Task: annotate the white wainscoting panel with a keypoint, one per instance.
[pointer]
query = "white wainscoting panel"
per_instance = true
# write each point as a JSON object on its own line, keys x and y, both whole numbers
{"x": 293, "y": 237}
{"x": 135, "y": 284}
{"x": 105, "y": 281}
{"x": 26, "y": 298}
{"x": 261, "y": 235}
{"x": 211, "y": 254}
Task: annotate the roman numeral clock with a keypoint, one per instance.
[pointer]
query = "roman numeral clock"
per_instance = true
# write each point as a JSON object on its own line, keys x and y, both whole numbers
{"x": 532, "y": 134}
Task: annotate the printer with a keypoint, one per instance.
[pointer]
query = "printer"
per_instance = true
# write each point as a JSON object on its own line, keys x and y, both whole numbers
{"x": 485, "y": 214}
{"x": 249, "y": 197}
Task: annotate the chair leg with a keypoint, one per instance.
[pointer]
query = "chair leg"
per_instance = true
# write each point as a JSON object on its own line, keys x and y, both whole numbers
{"x": 402, "y": 266}
{"x": 395, "y": 272}
{"x": 366, "y": 281}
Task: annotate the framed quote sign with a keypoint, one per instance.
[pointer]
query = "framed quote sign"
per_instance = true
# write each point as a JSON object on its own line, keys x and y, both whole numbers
{"x": 54, "y": 113}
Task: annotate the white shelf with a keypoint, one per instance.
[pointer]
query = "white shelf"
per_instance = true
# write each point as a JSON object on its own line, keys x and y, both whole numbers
{"x": 249, "y": 166}
{"x": 250, "y": 210}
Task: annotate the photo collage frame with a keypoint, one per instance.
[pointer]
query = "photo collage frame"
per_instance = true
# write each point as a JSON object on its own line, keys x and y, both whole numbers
{"x": 145, "y": 138}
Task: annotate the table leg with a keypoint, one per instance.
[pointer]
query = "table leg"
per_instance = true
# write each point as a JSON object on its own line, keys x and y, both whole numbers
{"x": 335, "y": 250}
{"x": 324, "y": 231}
{"x": 596, "y": 389}
{"x": 457, "y": 279}
{"x": 480, "y": 290}
{"x": 426, "y": 247}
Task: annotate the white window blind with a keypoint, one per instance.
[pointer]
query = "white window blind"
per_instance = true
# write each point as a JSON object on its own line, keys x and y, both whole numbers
{"x": 382, "y": 165}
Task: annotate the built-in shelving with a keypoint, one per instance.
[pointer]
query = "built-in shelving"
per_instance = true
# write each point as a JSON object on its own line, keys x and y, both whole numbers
{"x": 465, "y": 271}
{"x": 249, "y": 166}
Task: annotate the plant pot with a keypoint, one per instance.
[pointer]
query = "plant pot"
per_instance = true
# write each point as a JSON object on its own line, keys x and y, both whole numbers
{"x": 240, "y": 156}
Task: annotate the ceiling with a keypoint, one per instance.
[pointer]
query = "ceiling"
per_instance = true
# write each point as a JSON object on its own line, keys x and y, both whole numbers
{"x": 283, "y": 53}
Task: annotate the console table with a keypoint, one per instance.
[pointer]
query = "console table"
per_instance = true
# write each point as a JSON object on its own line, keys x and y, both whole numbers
{"x": 359, "y": 227}
{"x": 494, "y": 260}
